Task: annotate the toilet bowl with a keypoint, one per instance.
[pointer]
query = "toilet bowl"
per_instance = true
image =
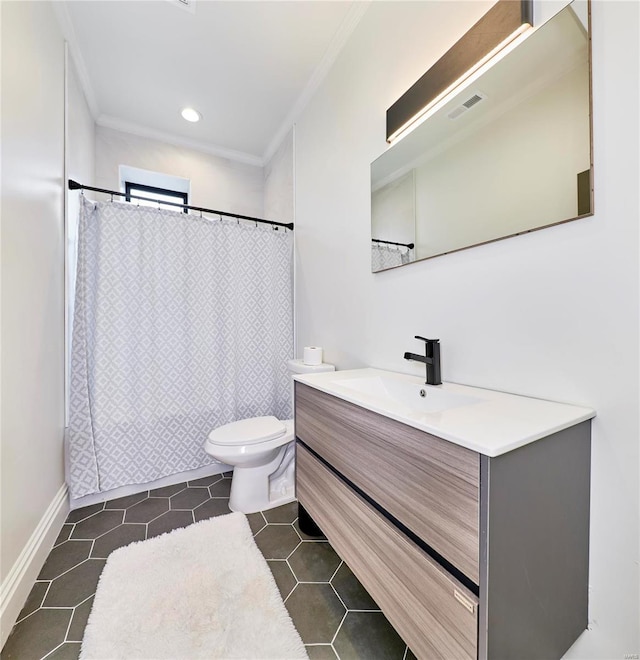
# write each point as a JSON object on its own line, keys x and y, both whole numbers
{"x": 262, "y": 453}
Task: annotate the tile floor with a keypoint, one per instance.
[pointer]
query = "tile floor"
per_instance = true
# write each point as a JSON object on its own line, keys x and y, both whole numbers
{"x": 334, "y": 615}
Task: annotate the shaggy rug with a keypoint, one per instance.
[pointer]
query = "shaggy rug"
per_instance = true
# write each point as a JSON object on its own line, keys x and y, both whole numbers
{"x": 204, "y": 591}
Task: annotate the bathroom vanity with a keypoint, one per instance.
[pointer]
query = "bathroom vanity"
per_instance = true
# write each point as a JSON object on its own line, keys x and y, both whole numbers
{"x": 464, "y": 512}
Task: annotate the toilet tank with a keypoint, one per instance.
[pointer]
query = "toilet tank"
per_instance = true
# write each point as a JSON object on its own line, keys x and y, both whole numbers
{"x": 299, "y": 367}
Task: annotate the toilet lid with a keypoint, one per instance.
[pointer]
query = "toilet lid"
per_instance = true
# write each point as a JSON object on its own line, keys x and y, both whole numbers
{"x": 248, "y": 431}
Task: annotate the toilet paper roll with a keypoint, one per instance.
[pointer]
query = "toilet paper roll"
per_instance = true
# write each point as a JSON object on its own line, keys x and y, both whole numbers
{"x": 312, "y": 355}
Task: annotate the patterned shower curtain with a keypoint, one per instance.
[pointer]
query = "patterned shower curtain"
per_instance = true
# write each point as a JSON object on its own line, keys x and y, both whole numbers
{"x": 181, "y": 324}
{"x": 387, "y": 256}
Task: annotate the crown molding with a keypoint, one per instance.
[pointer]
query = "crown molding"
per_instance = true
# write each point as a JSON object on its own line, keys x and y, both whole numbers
{"x": 353, "y": 16}
{"x": 70, "y": 36}
{"x": 108, "y": 121}
{"x": 349, "y": 23}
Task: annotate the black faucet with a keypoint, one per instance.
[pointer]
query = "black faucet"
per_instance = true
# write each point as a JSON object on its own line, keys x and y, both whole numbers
{"x": 431, "y": 358}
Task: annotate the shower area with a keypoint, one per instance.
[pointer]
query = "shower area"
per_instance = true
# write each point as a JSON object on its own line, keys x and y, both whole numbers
{"x": 182, "y": 322}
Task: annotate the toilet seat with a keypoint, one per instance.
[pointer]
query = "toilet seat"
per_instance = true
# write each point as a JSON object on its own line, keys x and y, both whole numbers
{"x": 249, "y": 431}
{"x": 241, "y": 450}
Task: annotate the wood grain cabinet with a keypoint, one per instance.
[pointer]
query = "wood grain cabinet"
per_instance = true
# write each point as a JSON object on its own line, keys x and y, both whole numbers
{"x": 468, "y": 556}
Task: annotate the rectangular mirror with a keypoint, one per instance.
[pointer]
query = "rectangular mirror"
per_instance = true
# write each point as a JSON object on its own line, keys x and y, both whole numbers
{"x": 509, "y": 154}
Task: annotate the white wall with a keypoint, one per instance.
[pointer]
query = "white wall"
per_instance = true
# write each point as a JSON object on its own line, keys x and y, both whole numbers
{"x": 216, "y": 183}
{"x": 81, "y": 131}
{"x": 278, "y": 183}
{"x": 552, "y": 314}
{"x": 32, "y": 294}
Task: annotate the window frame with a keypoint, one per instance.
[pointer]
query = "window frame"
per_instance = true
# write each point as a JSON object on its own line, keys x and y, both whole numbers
{"x": 129, "y": 185}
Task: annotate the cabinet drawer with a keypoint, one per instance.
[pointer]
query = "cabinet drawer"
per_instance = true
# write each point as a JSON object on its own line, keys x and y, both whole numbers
{"x": 436, "y": 616}
{"x": 430, "y": 485}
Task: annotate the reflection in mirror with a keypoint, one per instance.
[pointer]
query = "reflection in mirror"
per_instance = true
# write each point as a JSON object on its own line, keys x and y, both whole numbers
{"x": 508, "y": 155}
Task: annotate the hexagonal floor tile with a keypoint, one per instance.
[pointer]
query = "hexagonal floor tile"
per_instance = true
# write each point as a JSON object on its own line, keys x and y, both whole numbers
{"x": 283, "y": 576}
{"x": 314, "y": 561}
{"x": 211, "y": 508}
{"x": 63, "y": 557}
{"x": 38, "y": 634}
{"x": 64, "y": 534}
{"x": 256, "y": 522}
{"x": 76, "y": 585}
{"x": 147, "y": 510}
{"x": 206, "y": 481}
{"x": 351, "y": 591}
{"x": 277, "y": 541}
{"x": 368, "y": 635}
{"x": 66, "y": 651}
{"x": 221, "y": 488}
{"x": 169, "y": 521}
{"x": 118, "y": 538}
{"x": 80, "y": 514}
{"x": 286, "y": 513}
{"x": 97, "y": 525}
{"x": 79, "y": 621}
{"x": 316, "y": 612}
{"x": 189, "y": 498}
{"x": 167, "y": 491}
{"x": 34, "y": 599}
{"x": 127, "y": 501}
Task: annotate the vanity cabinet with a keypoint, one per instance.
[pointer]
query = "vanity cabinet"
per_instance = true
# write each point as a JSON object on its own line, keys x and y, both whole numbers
{"x": 468, "y": 556}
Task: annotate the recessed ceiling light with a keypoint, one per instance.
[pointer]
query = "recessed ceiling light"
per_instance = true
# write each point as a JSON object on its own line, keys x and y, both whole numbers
{"x": 191, "y": 115}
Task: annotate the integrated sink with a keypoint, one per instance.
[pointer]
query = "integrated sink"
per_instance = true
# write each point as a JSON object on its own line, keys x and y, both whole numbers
{"x": 408, "y": 393}
{"x": 485, "y": 421}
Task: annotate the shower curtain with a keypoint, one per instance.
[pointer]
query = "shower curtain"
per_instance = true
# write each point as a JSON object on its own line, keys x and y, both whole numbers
{"x": 181, "y": 324}
{"x": 387, "y": 256}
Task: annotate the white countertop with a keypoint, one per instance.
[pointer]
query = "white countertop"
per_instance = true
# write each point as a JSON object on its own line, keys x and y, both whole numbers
{"x": 486, "y": 421}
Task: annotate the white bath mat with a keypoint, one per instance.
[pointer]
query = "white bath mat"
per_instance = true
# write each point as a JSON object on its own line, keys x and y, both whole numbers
{"x": 204, "y": 591}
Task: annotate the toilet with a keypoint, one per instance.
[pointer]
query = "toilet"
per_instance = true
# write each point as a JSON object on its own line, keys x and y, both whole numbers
{"x": 262, "y": 453}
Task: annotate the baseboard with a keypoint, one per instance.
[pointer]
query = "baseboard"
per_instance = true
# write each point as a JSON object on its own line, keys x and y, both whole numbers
{"x": 18, "y": 583}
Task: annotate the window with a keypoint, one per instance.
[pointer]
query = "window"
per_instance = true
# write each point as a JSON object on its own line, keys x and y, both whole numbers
{"x": 154, "y": 196}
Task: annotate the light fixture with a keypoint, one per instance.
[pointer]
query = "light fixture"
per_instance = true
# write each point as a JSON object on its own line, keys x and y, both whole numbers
{"x": 498, "y": 32}
{"x": 191, "y": 115}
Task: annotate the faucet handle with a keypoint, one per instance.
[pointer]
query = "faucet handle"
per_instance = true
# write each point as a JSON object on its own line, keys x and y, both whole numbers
{"x": 430, "y": 341}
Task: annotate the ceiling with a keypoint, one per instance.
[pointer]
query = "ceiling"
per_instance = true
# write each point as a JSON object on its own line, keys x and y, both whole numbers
{"x": 247, "y": 67}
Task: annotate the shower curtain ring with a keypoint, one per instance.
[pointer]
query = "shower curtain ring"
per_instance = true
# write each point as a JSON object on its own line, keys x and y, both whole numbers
{"x": 112, "y": 198}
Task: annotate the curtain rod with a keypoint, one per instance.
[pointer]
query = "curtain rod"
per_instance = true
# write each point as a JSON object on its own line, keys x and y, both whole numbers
{"x": 407, "y": 245}
{"x": 74, "y": 185}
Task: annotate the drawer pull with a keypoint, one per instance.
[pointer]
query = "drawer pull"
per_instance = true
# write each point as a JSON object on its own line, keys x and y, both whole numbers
{"x": 463, "y": 600}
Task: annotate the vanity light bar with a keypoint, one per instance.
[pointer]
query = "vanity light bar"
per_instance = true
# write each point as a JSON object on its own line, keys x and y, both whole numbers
{"x": 497, "y": 33}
